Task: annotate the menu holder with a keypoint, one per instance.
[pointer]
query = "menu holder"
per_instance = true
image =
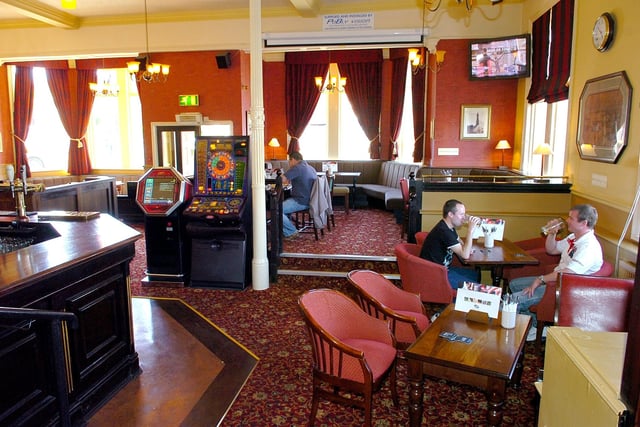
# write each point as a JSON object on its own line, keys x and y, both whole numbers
{"x": 492, "y": 226}
{"x": 479, "y": 298}
{"x": 478, "y": 317}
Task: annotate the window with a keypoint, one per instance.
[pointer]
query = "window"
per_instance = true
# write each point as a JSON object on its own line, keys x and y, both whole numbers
{"x": 47, "y": 142}
{"x": 114, "y": 136}
{"x": 406, "y": 139}
{"x": 545, "y": 123}
{"x": 333, "y": 131}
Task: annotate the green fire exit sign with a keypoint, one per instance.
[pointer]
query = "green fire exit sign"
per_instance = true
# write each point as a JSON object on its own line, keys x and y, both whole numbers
{"x": 189, "y": 100}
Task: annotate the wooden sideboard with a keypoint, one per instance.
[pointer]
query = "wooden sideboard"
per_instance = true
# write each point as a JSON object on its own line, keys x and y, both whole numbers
{"x": 84, "y": 271}
{"x": 97, "y": 194}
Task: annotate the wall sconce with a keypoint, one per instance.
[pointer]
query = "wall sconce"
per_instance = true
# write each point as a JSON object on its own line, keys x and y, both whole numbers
{"x": 273, "y": 143}
{"x": 417, "y": 59}
{"x": 544, "y": 150}
{"x": 502, "y": 145}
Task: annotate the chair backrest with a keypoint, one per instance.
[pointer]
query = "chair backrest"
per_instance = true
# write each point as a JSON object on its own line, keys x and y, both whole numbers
{"x": 331, "y": 318}
{"x": 593, "y": 303}
{"x": 381, "y": 292}
{"x": 420, "y": 238}
{"x": 404, "y": 189}
{"x": 423, "y": 277}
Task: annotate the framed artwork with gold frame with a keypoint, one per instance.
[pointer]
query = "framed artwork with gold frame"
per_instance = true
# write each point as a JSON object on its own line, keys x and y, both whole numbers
{"x": 603, "y": 118}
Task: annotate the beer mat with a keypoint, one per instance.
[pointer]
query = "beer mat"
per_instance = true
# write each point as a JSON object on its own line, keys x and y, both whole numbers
{"x": 67, "y": 216}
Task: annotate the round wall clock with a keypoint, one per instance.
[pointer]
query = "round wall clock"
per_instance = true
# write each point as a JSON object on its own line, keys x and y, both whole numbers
{"x": 603, "y": 31}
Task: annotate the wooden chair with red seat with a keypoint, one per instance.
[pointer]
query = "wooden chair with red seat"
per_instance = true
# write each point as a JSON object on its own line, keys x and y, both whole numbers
{"x": 353, "y": 353}
{"x": 404, "y": 190}
{"x": 380, "y": 298}
{"x": 545, "y": 310}
{"x": 422, "y": 277}
{"x": 593, "y": 303}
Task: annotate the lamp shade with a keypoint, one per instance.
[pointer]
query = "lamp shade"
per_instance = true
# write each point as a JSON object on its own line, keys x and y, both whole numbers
{"x": 503, "y": 144}
{"x": 543, "y": 149}
{"x": 274, "y": 142}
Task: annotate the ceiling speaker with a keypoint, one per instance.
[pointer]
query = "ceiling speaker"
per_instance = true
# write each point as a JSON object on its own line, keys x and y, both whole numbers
{"x": 223, "y": 61}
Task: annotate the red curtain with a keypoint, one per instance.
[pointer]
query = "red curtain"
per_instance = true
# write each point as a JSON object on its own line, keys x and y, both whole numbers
{"x": 418, "y": 96}
{"x": 552, "y": 35}
{"x": 22, "y": 110}
{"x": 398, "y": 85}
{"x": 301, "y": 93}
{"x": 364, "y": 87}
{"x": 560, "y": 51}
{"x": 74, "y": 100}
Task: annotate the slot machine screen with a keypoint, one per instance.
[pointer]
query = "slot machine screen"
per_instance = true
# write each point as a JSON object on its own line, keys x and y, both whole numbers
{"x": 160, "y": 191}
{"x": 221, "y": 166}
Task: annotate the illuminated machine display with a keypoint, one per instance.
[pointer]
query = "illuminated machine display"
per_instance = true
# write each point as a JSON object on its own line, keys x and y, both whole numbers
{"x": 162, "y": 194}
{"x": 219, "y": 215}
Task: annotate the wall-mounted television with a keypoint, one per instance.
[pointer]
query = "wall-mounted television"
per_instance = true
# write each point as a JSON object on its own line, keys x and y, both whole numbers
{"x": 500, "y": 57}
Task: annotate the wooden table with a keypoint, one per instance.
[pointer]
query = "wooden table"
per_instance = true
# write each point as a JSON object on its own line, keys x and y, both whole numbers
{"x": 492, "y": 360}
{"x": 504, "y": 253}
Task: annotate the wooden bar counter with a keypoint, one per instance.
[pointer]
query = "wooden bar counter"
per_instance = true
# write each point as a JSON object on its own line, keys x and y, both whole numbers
{"x": 85, "y": 271}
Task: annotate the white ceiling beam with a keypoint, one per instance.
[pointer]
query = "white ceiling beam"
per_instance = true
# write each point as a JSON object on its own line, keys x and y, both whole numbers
{"x": 306, "y": 8}
{"x": 44, "y": 13}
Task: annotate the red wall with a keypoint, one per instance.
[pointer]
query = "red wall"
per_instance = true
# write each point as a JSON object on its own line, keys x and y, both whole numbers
{"x": 453, "y": 89}
{"x": 193, "y": 73}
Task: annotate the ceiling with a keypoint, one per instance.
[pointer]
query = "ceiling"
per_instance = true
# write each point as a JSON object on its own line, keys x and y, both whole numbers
{"x": 45, "y": 10}
{"x": 50, "y": 12}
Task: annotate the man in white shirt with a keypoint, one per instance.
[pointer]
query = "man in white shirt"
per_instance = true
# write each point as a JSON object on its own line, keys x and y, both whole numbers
{"x": 580, "y": 253}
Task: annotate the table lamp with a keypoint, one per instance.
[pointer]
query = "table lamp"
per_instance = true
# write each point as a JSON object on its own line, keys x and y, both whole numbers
{"x": 544, "y": 150}
{"x": 503, "y": 144}
{"x": 273, "y": 143}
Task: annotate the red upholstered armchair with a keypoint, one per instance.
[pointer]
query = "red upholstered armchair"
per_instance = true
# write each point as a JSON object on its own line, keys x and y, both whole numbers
{"x": 422, "y": 277}
{"x": 545, "y": 310}
{"x": 380, "y": 298}
{"x": 593, "y": 303}
{"x": 352, "y": 351}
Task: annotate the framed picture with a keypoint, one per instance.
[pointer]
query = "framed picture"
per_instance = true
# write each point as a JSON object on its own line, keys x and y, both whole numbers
{"x": 475, "y": 121}
{"x": 603, "y": 121}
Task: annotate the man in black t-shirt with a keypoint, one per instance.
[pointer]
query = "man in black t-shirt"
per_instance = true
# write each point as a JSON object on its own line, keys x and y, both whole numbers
{"x": 443, "y": 242}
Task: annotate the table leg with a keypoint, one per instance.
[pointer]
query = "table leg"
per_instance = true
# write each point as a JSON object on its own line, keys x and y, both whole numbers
{"x": 517, "y": 374}
{"x": 353, "y": 193}
{"x": 496, "y": 276}
{"x": 416, "y": 392}
{"x": 496, "y": 393}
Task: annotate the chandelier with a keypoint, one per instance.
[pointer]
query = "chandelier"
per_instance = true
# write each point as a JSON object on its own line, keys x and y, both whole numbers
{"x": 142, "y": 68}
{"x": 331, "y": 83}
{"x": 433, "y": 5}
{"x": 104, "y": 88}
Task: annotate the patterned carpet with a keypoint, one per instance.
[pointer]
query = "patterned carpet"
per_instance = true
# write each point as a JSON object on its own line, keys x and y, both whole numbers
{"x": 278, "y": 393}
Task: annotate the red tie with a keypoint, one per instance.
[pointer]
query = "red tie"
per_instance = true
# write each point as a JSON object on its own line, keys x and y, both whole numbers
{"x": 572, "y": 247}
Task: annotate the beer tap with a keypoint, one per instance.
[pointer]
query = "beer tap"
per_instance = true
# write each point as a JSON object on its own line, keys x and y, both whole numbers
{"x": 18, "y": 187}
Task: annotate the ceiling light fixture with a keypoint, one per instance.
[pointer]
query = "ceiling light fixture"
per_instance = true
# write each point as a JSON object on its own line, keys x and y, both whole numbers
{"x": 433, "y": 5}
{"x": 68, "y": 4}
{"x": 331, "y": 83}
{"x": 142, "y": 68}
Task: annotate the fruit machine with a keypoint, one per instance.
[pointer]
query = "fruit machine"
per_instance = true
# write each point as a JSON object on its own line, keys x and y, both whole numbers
{"x": 219, "y": 215}
{"x": 162, "y": 194}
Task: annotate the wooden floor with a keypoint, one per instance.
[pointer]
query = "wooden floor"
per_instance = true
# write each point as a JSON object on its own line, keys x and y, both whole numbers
{"x": 191, "y": 371}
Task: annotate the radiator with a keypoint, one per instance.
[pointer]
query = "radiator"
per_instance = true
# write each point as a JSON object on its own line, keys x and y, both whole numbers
{"x": 626, "y": 269}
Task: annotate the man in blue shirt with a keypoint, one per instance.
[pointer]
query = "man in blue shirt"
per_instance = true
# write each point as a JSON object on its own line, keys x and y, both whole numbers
{"x": 301, "y": 176}
{"x": 443, "y": 242}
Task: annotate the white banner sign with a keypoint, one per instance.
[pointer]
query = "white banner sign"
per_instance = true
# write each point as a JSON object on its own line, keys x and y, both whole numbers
{"x": 348, "y": 21}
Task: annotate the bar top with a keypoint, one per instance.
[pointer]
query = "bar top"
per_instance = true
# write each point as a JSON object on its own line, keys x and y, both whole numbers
{"x": 78, "y": 241}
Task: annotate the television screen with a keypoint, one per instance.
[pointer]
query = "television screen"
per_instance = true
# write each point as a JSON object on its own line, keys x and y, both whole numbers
{"x": 500, "y": 58}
